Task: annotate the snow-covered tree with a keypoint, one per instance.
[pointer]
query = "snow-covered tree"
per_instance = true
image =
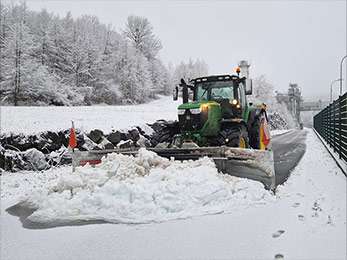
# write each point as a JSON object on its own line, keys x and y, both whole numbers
{"x": 190, "y": 70}
{"x": 82, "y": 60}
{"x": 41, "y": 30}
{"x": 3, "y": 21}
{"x": 263, "y": 92}
{"x": 18, "y": 48}
{"x": 139, "y": 31}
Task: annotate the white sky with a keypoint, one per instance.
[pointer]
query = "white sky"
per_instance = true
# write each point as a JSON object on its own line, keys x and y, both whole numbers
{"x": 289, "y": 41}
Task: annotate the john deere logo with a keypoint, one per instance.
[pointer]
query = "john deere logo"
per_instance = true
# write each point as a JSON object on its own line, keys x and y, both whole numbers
{"x": 188, "y": 117}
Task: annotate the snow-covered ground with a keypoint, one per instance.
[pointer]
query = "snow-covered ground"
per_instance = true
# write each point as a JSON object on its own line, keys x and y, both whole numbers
{"x": 306, "y": 219}
{"x": 30, "y": 120}
{"x": 176, "y": 210}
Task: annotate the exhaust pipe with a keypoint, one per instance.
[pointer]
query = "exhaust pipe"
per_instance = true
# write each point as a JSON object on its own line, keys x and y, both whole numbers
{"x": 244, "y": 66}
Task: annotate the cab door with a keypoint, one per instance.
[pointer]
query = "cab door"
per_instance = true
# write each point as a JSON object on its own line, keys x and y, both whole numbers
{"x": 241, "y": 95}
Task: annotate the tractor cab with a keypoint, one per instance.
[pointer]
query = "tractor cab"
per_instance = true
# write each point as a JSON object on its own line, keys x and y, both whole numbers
{"x": 228, "y": 91}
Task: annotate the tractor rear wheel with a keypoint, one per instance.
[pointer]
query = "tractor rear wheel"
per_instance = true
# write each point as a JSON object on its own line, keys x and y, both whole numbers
{"x": 236, "y": 136}
{"x": 257, "y": 130}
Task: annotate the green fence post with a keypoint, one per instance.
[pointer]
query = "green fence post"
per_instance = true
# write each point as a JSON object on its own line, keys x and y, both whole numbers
{"x": 328, "y": 116}
{"x": 330, "y": 125}
{"x": 340, "y": 101}
{"x": 334, "y": 125}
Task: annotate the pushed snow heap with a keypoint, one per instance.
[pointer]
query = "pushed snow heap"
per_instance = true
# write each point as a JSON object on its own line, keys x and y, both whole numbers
{"x": 147, "y": 188}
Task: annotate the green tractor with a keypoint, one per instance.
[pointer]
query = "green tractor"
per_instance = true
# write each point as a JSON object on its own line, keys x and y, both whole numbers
{"x": 218, "y": 123}
{"x": 219, "y": 114}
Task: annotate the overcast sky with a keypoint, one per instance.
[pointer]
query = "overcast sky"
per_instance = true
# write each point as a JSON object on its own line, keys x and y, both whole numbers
{"x": 289, "y": 41}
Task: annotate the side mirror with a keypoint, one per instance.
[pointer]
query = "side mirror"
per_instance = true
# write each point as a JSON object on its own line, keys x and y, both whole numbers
{"x": 249, "y": 87}
{"x": 175, "y": 93}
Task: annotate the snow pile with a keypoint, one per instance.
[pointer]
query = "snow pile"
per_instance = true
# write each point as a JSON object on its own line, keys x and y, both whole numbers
{"x": 148, "y": 188}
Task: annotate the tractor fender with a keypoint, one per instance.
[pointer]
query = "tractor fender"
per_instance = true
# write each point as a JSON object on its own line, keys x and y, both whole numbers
{"x": 255, "y": 111}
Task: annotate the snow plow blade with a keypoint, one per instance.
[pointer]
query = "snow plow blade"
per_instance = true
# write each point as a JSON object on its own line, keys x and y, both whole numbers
{"x": 256, "y": 165}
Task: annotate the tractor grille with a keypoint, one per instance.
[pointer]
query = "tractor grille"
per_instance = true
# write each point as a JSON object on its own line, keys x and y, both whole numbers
{"x": 191, "y": 122}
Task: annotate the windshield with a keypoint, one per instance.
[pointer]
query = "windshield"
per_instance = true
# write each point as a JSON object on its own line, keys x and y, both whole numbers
{"x": 215, "y": 90}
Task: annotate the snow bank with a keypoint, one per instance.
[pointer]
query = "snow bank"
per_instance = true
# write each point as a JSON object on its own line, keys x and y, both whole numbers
{"x": 148, "y": 188}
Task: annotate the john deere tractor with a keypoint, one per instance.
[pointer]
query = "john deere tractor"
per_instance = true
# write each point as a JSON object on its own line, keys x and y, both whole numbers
{"x": 217, "y": 123}
{"x": 219, "y": 113}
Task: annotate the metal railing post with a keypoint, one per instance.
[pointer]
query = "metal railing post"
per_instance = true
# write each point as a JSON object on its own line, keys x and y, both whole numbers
{"x": 334, "y": 127}
{"x": 329, "y": 125}
{"x": 341, "y": 73}
{"x": 340, "y": 101}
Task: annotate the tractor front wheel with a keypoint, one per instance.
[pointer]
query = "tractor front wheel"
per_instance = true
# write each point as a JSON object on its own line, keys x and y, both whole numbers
{"x": 236, "y": 136}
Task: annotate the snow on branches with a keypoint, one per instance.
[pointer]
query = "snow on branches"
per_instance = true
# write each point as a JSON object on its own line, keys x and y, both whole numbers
{"x": 48, "y": 60}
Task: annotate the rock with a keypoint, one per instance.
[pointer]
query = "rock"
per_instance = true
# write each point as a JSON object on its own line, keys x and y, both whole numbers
{"x": 143, "y": 142}
{"x": 65, "y": 137}
{"x": 87, "y": 143}
{"x": 39, "y": 142}
{"x": 35, "y": 159}
{"x": 14, "y": 161}
{"x": 81, "y": 139}
{"x": 145, "y": 130}
{"x": 54, "y": 141}
{"x": 60, "y": 157}
{"x": 114, "y": 137}
{"x": 48, "y": 142}
{"x": 135, "y": 135}
{"x": 125, "y": 144}
{"x": 125, "y": 136}
{"x": 106, "y": 144}
{"x": 158, "y": 125}
{"x": 2, "y": 157}
{"x": 109, "y": 146}
{"x": 96, "y": 136}
{"x": 20, "y": 142}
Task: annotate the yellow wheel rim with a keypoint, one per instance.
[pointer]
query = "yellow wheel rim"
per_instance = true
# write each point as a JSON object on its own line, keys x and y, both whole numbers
{"x": 262, "y": 146}
{"x": 242, "y": 143}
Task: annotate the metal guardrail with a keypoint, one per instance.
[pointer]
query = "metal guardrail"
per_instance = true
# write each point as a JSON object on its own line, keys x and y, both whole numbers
{"x": 331, "y": 124}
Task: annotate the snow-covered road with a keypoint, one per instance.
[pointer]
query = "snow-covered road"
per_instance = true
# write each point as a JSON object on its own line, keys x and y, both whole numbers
{"x": 307, "y": 220}
{"x": 204, "y": 217}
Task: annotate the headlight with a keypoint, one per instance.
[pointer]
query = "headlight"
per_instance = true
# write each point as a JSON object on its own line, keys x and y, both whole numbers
{"x": 195, "y": 110}
{"x": 181, "y": 112}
